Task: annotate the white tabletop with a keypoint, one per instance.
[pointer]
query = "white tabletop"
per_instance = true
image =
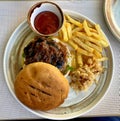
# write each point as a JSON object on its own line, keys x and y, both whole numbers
{"x": 12, "y": 13}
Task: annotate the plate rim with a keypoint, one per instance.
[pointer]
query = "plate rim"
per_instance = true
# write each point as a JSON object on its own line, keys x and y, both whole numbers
{"x": 109, "y": 19}
{"x": 45, "y": 114}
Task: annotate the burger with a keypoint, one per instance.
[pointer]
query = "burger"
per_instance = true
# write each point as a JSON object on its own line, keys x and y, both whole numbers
{"x": 41, "y": 83}
{"x": 48, "y": 50}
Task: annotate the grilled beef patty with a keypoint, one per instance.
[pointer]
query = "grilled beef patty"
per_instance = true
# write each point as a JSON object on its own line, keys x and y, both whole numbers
{"x": 46, "y": 50}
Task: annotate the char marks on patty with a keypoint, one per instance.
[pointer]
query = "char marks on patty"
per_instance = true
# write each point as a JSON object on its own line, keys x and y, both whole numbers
{"x": 46, "y": 50}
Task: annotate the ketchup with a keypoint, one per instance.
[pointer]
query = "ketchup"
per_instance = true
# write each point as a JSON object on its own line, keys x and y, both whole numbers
{"x": 46, "y": 22}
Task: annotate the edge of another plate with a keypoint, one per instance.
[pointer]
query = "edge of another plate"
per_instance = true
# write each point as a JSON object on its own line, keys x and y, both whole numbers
{"x": 109, "y": 17}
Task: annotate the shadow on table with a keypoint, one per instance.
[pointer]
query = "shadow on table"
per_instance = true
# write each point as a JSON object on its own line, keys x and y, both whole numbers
{"x": 92, "y": 119}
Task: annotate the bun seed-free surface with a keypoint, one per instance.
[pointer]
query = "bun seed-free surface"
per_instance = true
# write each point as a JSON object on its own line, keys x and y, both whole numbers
{"x": 41, "y": 86}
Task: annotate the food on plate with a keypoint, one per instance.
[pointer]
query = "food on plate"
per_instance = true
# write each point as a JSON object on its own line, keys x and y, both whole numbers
{"x": 87, "y": 41}
{"x": 46, "y": 22}
{"x": 45, "y": 18}
{"x": 41, "y": 86}
{"x": 84, "y": 76}
{"x": 84, "y": 37}
{"x": 43, "y": 49}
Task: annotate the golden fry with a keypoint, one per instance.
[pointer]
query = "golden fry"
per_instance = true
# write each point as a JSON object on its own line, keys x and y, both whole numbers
{"x": 94, "y": 46}
{"x": 69, "y": 30}
{"x": 102, "y": 59}
{"x": 90, "y": 25}
{"x": 97, "y": 54}
{"x": 75, "y": 46}
{"x": 73, "y": 64}
{"x": 77, "y": 29}
{"x": 64, "y": 33}
{"x": 73, "y": 21}
{"x": 83, "y": 45}
{"x": 84, "y": 52}
{"x": 98, "y": 29}
{"x": 104, "y": 43}
{"x": 83, "y": 36}
{"x": 86, "y": 28}
{"x": 96, "y": 36}
{"x": 60, "y": 35}
{"x": 87, "y": 38}
{"x": 103, "y": 39}
{"x": 93, "y": 30}
{"x": 79, "y": 59}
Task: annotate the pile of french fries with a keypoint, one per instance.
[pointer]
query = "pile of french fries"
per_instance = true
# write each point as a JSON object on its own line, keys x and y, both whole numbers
{"x": 85, "y": 38}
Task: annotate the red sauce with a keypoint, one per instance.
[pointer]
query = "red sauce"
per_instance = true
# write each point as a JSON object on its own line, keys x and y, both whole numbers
{"x": 46, "y": 22}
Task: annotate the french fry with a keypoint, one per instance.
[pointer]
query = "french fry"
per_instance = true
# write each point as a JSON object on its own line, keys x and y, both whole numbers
{"x": 79, "y": 59}
{"x": 103, "y": 39}
{"x": 98, "y": 29}
{"x": 93, "y": 30}
{"x": 83, "y": 45}
{"x": 73, "y": 64}
{"x": 84, "y": 52}
{"x": 73, "y": 21}
{"x": 69, "y": 30}
{"x": 77, "y": 29}
{"x": 97, "y": 54}
{"x": 96, "y": 36}
{"x": 75, "y": 46}
{"x": 60, "y": 35}
{"x": 73, "y": 26}
{"x": 94, "y": 46}
{"x": 87, "y": 38}
{"x": 104, "y": 43}
{"x": 86, "y": 28}
{"x": 64, "y": 33}
{"x": 90, "y": 25}
{"x": 102, "y": 59}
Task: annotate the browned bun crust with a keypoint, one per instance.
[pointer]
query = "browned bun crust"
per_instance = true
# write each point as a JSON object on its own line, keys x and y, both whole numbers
{"x": 41, "y": 86}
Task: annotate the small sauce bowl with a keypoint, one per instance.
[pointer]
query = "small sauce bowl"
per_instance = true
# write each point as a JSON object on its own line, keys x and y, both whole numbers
{"x": 45, "y": 18}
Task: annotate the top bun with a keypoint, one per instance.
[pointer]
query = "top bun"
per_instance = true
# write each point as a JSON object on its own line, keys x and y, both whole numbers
{"x": 41, "y": 86}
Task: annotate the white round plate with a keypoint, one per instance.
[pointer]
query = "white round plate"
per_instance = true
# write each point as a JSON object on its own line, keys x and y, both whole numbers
{"x": 112, "y": 16}
{"x": 77, "y": 103}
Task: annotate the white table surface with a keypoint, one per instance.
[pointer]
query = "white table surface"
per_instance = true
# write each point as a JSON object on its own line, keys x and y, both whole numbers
{"x": 12, "y": 13}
